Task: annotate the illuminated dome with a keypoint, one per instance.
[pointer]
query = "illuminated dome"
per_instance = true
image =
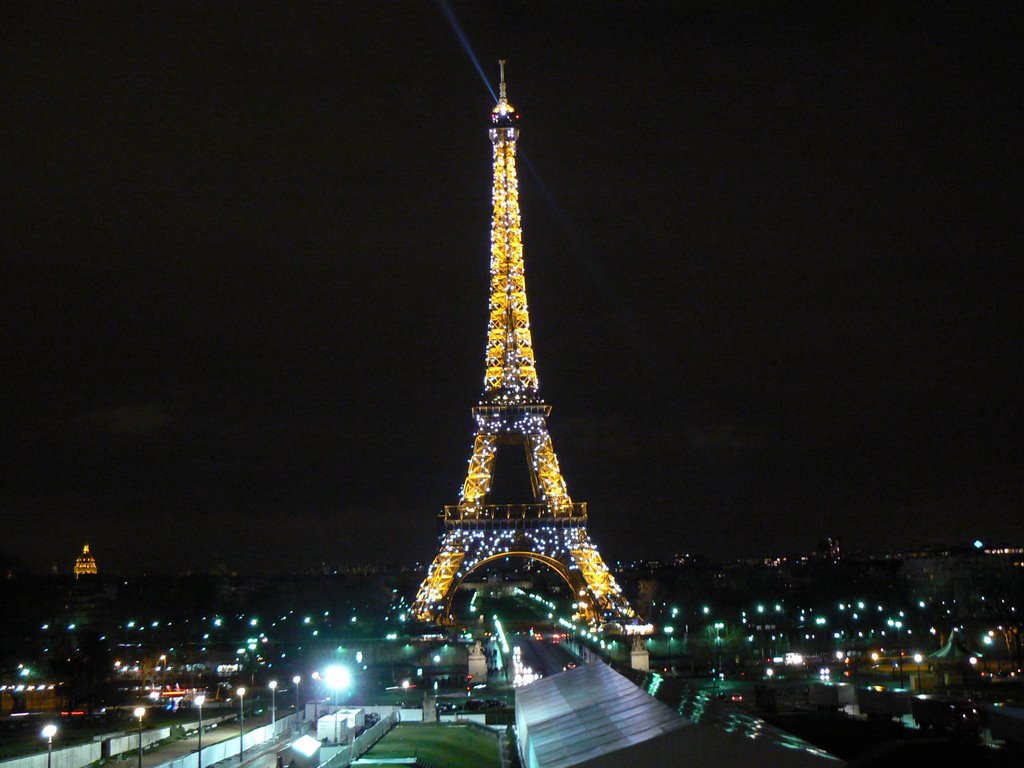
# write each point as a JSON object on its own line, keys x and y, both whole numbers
{"x": 85, "y": 565}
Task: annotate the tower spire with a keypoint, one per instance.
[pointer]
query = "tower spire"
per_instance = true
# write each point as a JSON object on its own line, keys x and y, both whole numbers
{"x": 511, "y": 373}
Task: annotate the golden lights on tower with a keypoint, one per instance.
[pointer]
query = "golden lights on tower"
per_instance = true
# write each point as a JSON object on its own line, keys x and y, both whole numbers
{"x": 551, "y": 529}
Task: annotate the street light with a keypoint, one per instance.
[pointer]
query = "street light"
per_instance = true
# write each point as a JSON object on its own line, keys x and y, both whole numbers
{"x": 718, "y": 642}
{"x": 241, "y": 721}
{"x": 140, "y": 712}
{"x": 273, "y": 707}
{"x": 199, "y": 701}
{"x": 48, "y": 732}
{"x": 295, "y": 681}
{"x": 899, "y": 642}
{"x": 337, "y": 677}
{"x": 316, "y": 697}
{"x": 918, "y": 658}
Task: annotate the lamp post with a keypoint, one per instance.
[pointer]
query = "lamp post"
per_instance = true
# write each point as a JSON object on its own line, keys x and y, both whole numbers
{"x": 295, "y": 681}
{"x": 316, "y": 697}
{"x": 48, "y": 732}
{"x": 899, "y": 642}
{"x": 337, "y": 678}
{"x": 718, "y": 644}
{"x": 273, "y": 707}
{"x": 898, "y": 626}
{"x": 918, "y": 658}
{"x": 241, "y": 721}
{"x": 140, "y": 712}
{"x": 199, "y": 701}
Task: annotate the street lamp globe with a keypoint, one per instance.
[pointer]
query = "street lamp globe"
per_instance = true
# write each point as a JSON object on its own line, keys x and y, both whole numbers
{"x": 296, "y": 680}
{"x": 199, "y": 700}
{"x": 241, "y": 691}
{"x": 139, "y": 712}
{"x": 48, "y": 732}
{"x": 272, "y": 684}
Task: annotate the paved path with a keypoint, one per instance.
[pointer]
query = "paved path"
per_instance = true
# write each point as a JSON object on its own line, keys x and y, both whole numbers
{"x": 165, "y": 753}
{"x": 261, "y": 756}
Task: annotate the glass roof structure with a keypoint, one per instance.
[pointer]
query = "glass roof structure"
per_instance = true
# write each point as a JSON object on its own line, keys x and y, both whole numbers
{"x": 592, "y": 716}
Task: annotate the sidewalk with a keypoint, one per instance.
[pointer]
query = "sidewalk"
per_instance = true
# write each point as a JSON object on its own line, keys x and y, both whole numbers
{"x": 261, "y": 756}
{"x": 165, "y": 753}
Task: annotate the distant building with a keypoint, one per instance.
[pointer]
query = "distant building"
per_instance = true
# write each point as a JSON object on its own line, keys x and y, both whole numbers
{"x": 85, "y": 565}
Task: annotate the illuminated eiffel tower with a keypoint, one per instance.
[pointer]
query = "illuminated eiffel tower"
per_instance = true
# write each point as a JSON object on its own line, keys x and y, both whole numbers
{"x": 551, "y": 529}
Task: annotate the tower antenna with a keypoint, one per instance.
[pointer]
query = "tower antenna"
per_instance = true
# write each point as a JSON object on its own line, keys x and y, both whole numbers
{"x": 501, "y": 86}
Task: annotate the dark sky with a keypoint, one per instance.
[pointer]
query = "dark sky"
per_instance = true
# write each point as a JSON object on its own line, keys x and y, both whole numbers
{"x": 244, "y": 267}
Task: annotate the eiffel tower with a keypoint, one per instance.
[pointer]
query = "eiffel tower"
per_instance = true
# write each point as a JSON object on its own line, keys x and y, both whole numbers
{"x": 551, "y": 529}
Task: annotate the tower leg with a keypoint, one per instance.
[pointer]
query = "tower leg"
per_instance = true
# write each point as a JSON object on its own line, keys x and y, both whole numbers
{"x": 433, "y": 591}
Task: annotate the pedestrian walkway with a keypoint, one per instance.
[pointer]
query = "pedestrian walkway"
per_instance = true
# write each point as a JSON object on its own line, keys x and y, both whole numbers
{"x": 261, "y": 756}
{"x": 166, "y": 753}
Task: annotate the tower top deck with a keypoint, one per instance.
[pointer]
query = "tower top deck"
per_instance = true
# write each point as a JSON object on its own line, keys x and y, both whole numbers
{"x": 503, "y": 115}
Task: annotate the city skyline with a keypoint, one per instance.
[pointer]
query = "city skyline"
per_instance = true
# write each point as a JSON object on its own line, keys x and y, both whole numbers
{"x": 246, "y": 292}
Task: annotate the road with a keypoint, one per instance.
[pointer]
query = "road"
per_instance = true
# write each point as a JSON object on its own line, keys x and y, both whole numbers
{"x": 544, "y": 656}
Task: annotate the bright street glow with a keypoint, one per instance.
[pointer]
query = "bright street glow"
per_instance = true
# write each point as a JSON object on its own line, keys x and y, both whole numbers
{"x": 337, "y": 677}
{"x": 139, "y": 712}
{"x": 241, "y": 691}
{"x": 296, "y": 680}
{"x": 199, "y": 700}
{"x": 49, "y": 731}
{"x": 272, "y": 684}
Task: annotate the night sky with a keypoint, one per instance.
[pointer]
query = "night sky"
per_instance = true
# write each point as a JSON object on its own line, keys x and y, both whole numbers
{"x": 243, "y": 285}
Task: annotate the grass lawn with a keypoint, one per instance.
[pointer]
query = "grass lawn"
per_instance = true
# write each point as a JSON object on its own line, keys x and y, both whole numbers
{"x": 444, "y": 746}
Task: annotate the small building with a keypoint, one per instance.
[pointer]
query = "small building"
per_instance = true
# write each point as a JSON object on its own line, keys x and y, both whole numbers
{"x": 305, "y": 752}
{"x": 337, "y": 726}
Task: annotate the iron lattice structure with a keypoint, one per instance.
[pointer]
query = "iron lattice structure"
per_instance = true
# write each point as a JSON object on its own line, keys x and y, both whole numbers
{"x": 552, "y": 529}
